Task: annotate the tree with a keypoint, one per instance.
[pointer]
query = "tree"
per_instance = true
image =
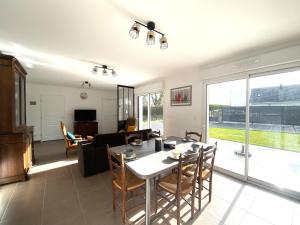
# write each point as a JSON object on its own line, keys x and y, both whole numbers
{"x": 157, "y": 99}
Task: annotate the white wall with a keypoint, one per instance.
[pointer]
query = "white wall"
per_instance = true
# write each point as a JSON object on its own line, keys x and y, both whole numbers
{"x": 72, "y": 101}
{"x": 177, "y": 119}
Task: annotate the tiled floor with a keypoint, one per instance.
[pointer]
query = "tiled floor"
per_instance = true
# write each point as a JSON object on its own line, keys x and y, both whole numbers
{"x": 61, "y": 196}
{"x": 283, "y": 170}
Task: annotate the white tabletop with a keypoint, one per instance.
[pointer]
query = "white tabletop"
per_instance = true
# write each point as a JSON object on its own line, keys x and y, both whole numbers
{"x": 150, "y": 163}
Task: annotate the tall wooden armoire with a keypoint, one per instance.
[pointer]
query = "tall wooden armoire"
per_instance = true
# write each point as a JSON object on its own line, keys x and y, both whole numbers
{"x": 15, "y": 137}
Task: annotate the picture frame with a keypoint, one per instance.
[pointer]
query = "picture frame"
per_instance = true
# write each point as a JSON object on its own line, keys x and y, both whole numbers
{"x": 181, "y": 96}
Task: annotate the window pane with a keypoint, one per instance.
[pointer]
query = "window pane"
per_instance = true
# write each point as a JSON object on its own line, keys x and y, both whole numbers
{"x": 120, "y": 90}
{"x": 143, "y": 112}
{"x": 227, "y": 115}
{"x": 156, "y": 106}
{"x": 275, "y": 129}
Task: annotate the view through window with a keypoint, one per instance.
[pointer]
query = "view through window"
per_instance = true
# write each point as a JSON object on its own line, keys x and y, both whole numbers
{"x": 274, "y": 127}
{"x": 150, "y": 111}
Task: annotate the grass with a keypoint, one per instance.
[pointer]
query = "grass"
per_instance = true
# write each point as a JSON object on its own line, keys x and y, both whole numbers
{"x": 278, "y": 140}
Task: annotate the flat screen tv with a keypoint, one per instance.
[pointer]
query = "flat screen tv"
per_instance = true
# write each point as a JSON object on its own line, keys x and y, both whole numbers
{"x": 82, "y": 115}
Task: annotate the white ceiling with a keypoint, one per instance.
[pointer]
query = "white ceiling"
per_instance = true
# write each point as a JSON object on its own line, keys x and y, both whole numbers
{"x": 57, "y": 38}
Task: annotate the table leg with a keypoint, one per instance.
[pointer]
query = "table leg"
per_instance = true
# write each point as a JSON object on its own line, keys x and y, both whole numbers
{"x": 148, "y": 202}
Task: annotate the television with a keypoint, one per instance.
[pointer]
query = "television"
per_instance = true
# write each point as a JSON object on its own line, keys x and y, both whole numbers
{"x": 82, "y": 115}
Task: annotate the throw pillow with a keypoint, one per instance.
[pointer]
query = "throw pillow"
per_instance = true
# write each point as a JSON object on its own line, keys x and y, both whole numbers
{"x": 72, "y": 137}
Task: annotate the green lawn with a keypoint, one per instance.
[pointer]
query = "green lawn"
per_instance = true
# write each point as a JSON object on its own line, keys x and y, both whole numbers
{"x": 279, "y": 140}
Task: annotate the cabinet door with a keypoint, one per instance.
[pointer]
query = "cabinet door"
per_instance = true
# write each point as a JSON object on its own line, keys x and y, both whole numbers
{"x": 22, "y": 101}
{"x": 17, "y": 100}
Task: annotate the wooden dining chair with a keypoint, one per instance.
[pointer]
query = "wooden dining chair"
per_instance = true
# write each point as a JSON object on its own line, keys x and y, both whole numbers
{"x": 70, "y": 144}
{"x": 179, "y": 185}
{"x": 206, "y": 166}
{"x": 130, "y": 137}
{"x": 153, "y": 134}
{"x": 123, "y": 181}
{"x": 192, "y": 133}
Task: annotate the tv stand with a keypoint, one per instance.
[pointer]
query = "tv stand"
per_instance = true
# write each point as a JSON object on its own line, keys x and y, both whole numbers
{"x": 86, "y": 128}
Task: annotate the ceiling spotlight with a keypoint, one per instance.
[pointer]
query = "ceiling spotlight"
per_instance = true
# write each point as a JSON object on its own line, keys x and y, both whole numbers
{"x": 150, "y": 40}
{"x": 163, "y": 42}
{"x": 95, "y": 70}
{"x": 135, "y": 31}
{"x": 86, "y": 84}
{"x": 150, "y": 37}
{"x": 104, "y": 71}
{"x": 113, "y": 73}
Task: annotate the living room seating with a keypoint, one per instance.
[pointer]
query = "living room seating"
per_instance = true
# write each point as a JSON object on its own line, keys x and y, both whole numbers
{"x": 193, "y": 133}
{"x": 123, "y": 181}
{"x": 92, "y": 157}
{"x": 71, "y": 141}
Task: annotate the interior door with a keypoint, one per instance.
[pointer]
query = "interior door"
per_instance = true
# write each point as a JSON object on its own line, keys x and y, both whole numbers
{"x": 52, "y": 112}
{"x": 108, "y": 115}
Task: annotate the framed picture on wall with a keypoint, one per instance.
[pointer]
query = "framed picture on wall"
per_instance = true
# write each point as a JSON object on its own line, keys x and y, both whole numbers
{"x": 181, "y": 96}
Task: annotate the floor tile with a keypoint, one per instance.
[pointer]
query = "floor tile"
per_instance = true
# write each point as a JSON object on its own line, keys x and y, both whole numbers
{"x": 253, "y": 220}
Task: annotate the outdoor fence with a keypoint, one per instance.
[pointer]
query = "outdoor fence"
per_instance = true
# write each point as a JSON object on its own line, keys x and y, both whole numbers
{"x": 283, "y": 115}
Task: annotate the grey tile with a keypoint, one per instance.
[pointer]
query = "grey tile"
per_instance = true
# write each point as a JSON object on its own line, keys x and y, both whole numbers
{"x": 57, "y": 211}
{"x": 6, "y": 192}
{"x": 71, "y": 219}
{"x": 97, "y": 200}
{"x": 28, "y": 220}
{"x": 27, "y": 201}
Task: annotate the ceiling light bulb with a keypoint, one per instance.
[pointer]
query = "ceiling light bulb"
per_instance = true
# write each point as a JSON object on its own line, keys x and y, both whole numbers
{"x": 134, "y": 31}
{"x": 104, "y": 73}
{"x": 95, "y": 70}
{"x": 150, "y": 37}
{"x": 113, "y": 73}
{"x": 163, "y": 42}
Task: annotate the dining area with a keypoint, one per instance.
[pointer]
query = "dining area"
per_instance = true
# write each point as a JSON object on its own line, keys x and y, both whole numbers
{"x": 170, "y": 174}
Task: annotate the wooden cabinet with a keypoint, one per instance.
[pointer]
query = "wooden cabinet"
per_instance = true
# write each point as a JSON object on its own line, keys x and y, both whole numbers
{"x": 15, "y": 137}
{"x": 86, "y": 128}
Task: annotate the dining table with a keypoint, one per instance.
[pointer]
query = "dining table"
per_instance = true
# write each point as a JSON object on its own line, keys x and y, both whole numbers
{"x": 148, "y": 163}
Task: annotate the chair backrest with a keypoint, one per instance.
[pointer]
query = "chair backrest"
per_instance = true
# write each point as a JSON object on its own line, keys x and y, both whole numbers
{"x": 117, "y": 167}
{"x": 207, "y": 159}
{"x": 191, "y": 133}
{"x": 153, "y": 134}
{"x": 193, "y": 160}
{"x": 64, "y": 132}
{"x": 130, "y": 137}
{"x": 63, "y": 128}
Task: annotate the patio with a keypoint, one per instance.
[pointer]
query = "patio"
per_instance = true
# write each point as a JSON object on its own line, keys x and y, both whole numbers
{"x": 275, "y": 166}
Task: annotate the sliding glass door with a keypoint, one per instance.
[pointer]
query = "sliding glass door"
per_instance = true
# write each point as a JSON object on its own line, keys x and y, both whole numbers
{"x": 275, "y": 129}
{"x": 150, "y": 111}
{"x": 256, "y": 122}
{"x": 226, "y": 125}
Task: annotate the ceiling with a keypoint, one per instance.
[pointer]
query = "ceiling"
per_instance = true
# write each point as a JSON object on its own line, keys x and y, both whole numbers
{"x": 57, "y": 41}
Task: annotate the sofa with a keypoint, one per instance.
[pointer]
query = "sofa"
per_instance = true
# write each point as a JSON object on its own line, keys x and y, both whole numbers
{"x": 92, "y": 156}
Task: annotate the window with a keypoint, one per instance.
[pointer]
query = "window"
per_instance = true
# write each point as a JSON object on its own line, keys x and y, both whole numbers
{"x": 256, "y": 123}
{"x": 150, "y": 111}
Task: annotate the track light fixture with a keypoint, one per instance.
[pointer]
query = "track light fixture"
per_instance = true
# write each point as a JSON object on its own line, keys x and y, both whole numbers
{"x": 150, "y": 40}
{"x": 86, "y": 84}
{"x": 104, "y": 71}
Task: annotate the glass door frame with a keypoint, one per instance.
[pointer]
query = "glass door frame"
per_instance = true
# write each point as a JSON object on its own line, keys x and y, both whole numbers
{"x": 148, "y": 94}
{"x": 247, "y": 76}
{"x": 148, "y": 107}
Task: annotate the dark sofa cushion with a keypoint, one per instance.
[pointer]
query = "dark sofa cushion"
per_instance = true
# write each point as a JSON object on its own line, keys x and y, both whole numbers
{"x": 113, "y": 139}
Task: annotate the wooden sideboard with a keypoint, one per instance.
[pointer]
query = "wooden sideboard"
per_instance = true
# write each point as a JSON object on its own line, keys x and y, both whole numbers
{"x": 86, "y": 128}
{"x": 15, "y": 155}
{"x": 15, "y": 136}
